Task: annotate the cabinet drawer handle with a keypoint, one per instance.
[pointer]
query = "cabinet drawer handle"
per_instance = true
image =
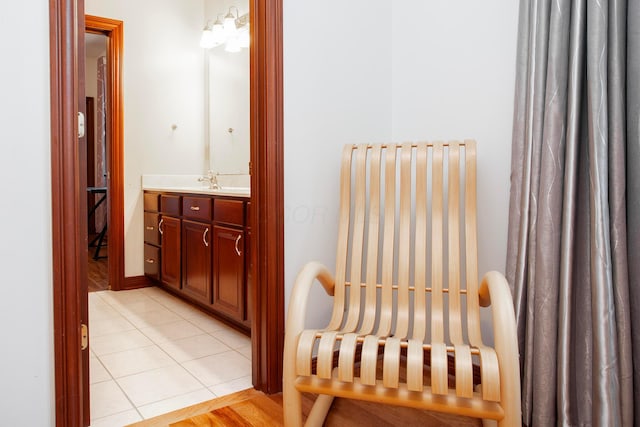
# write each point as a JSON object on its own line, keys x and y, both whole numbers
{"x": 150, "y": 261}
{"x": 238, "y": 240}
{"x": 160, "y": 226}
{"x": 204, "y": 237}
{"x": 149, "y": 227}
{"x": 194, "y": 208}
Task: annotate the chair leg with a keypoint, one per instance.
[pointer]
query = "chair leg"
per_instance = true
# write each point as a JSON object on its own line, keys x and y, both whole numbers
{"x": 319, "y": 411}
{"x": 291, "y": 397}
{"x": 292, "y": 405}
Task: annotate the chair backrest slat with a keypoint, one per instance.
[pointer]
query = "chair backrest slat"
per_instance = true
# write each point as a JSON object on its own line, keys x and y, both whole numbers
{"x": 388, "y": 249}
{"x": 437, "y": 303}
{"x": 404, "y": 243}
{"x": 373, "y": 243}
{"x": 473, "y": 303}
{"x": 357, "y": 239}
{"x": 453, "y": 219}
{"x": 343, "y": 239}
{"x": 420, "y": 298}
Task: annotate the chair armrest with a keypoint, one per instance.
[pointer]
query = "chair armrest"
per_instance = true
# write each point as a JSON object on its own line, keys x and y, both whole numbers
{"x": 297, "y": 311}
{"x": 494, "y": 291}
{"x": 296, "y": 315}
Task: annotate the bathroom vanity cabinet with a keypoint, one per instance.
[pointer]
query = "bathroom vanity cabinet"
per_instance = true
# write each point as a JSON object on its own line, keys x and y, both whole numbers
{"x": 202, "y": 245}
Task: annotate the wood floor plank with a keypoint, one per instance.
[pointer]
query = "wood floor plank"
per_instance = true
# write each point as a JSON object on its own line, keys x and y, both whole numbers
{"x": 261, "y": 410}
{"x": 220, "y": 417}
{"x": 198, "y": 409}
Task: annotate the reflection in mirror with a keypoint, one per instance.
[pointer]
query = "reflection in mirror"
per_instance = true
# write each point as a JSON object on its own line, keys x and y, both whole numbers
{"x": 228, "y": 96}
{"x": 96, "y": 132}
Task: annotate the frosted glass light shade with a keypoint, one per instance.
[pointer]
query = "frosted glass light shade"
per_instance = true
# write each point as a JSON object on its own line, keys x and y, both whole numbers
{"x": 230, "y": 25}
{"x": 243, "y": 37}
{"x": 207, "y": 40}
{"x": 218, "y": 33}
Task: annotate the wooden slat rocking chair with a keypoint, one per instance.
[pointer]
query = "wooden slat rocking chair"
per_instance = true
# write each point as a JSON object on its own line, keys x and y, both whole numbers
{"x": 406, "y": 295}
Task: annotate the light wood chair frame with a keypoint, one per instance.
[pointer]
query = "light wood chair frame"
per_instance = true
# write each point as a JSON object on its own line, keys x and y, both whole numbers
{"x": 387, "y": 303}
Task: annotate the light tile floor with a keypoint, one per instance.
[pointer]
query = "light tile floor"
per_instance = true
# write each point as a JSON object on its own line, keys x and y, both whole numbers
{"x": 152, "y": 353}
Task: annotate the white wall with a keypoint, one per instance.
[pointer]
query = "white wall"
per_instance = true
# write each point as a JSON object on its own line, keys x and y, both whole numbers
{"x": 337, "y": 90}
{"x": 26, "y": 306}
{"x": 392, "y": 71}
{"x": 163, "y": 77}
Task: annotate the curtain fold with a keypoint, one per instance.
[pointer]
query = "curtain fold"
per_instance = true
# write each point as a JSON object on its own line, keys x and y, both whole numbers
{"x": 572, "y": 256}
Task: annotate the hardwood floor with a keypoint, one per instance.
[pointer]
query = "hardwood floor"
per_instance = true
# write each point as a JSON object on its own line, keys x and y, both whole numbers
{"x": 97, "y": 271}
{"x": 253, "y": 408}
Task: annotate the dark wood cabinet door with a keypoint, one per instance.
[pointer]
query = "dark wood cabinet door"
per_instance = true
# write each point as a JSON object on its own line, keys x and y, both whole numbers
{"x": 248, "y": 265}
{"x": 170, "y": 251}
{"x": 228, "y": 272}
{"x": 196, "y": 260}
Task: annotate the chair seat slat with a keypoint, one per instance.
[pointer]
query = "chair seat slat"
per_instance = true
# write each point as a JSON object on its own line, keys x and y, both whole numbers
{"x": 391, "y": 363}
{"x": 346, "y": 358}
{"x": 325, "y": 354}
{"x": 369, "y": 360}
{"x": 415, "y": 366}
{"x": 305, "y": 350}
{"x": 464, "y": 371}
{"x": 439, "y": 374}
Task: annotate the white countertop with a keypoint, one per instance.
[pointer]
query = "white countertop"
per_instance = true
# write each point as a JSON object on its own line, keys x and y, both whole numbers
{"x": 231, "y": 185}
{"x": 228, "y": 191}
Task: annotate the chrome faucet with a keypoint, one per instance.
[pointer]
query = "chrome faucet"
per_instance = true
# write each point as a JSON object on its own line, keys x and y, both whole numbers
{"x": 212, "y": 179}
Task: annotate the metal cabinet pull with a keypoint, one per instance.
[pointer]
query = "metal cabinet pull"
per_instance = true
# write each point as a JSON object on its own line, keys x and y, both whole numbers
{"x": 194, "y": 208}
{"x": 150, "y": 261}
{"x": 160, "y": 226}
{"x": 238, "y": 240}
{"x": 204, "y": 237}
{"x": 150, "y": 227}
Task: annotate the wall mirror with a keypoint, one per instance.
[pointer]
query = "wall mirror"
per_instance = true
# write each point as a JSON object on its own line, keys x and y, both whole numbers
{"x": 228, "y": 92}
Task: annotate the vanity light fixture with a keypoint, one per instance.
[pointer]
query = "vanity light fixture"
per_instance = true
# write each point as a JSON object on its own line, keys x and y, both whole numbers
{"x": 212, "y": 35}
{"x": 232, "y": 31}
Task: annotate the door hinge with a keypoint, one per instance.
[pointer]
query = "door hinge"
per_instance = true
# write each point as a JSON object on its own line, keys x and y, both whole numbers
{"x": 84, "y": 340}
{"x": 250, "y": 168}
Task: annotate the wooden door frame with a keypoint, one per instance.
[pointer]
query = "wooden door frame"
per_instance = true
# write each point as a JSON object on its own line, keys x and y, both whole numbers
{"x": 68, "y": 207}
{"x": 114, "y": 31}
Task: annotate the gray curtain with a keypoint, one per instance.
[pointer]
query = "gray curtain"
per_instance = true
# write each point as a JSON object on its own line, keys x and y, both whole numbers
{"x": 574, "y": 225}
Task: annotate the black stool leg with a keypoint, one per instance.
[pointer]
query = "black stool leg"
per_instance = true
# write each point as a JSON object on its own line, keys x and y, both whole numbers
{"x": 96, "y": 255}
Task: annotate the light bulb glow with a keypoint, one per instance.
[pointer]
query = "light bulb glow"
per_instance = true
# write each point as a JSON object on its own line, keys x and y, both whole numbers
{"x": 243, "y": 37}
{"x": 207, "y": 40}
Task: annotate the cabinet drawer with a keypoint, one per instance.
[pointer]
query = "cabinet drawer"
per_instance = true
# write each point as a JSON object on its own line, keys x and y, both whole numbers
{"x": 151, "y": 233}
{"x": 151, "y": 202}
{"x": 197, "y": 208}
{"x": 170, "y": 204}
{"x": 229, "y": 211}
{"x": 152, "y": 261}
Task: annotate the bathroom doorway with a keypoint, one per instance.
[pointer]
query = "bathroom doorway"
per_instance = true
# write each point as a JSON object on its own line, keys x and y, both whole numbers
{"x": 96, "y": 136}
{"x": 266, "y": 186}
